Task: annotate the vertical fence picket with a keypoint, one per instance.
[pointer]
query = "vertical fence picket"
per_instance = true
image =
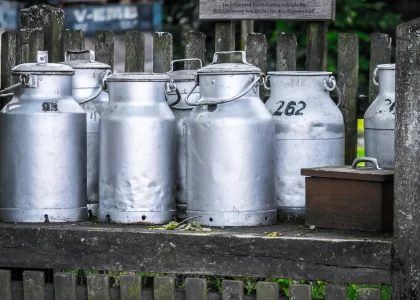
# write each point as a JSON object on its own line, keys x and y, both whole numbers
{"x": 29, "y": 42}
{"x": 224, "y": 39}
{"x": 164, "y": 288}
{"x": 104, "y": 47}
{"x": 134, "y": 51}
{"x": 195, "y": 47}
{"x": 369, "y": 294}
{"x": 74, "y": 40}
{"x": 131, "y": 287}
{"x": 65, "y": 286}
{"x": 232, "y": 290}
{"x": 51, "y": 21}
{"x": 195, "y": 289}
{"x": 347, "y": 82}
{"x": 256, "y": 54}
{"x": 267, "y": 290}
{"x": 98, "y": 287}
{"x": 33, "y": 285}
{"x": 247, "y": 26}
{"x": 162, "y": 52}
{"x": 335, "y": 292}
{"x": 286, "y": 52}
{"x": 8, "y": 60}
{"x": 380, "y": 53}
{"x": 300, "y": 292}
{"x": 317, "y": 46}
{"x": 5, "y": 285}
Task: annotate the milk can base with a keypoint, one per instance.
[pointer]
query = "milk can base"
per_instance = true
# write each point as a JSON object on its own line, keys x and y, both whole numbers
{"x": 136, "y": 217}
{"x": 231, "y": 218}
{"x": 293, "y": 215}
{"x": 43, "y": 215}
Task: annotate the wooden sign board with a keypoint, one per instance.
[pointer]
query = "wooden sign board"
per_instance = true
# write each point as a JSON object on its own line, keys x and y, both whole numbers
{"x": 304, "y": 10}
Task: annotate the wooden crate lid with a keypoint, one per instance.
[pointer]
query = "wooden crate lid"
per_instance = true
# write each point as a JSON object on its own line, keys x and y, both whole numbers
{"x": 352, "y": 172}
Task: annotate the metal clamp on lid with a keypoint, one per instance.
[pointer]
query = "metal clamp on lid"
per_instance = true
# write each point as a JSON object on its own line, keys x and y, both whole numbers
{"x": 371, "y": 160}
{"x": 91, "y": 54}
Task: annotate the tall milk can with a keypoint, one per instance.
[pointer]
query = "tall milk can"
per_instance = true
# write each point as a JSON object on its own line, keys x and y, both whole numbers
{"x": 137, "y": 151}
{"x": 182, "y": 81}
{"x": 87, "y": 91}
{"x": 43, "y": 152}
{"x": 380, "y": 118}
{"x": 309, "y": 133}
{"x": 230, "y": 148}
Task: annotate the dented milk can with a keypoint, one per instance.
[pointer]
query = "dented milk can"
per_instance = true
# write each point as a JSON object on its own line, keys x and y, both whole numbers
{"x": 380, "y": 118}
{"x": 137, "y": 151}
{"x": 43, "y": 152}
{"x": 184, "y": 81}
{"x": 230, "y": 148}
{"x": 309, "y": 133}
{"x": 87, "y": 91}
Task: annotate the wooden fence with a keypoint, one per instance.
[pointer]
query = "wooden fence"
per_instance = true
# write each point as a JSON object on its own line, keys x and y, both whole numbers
{"x": 296, "y": 252}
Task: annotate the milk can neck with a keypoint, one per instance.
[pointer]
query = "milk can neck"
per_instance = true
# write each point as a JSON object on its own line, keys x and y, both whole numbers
{"x": 300, "y": 83}
{"x": 52, "y": 86}
{"x": 386, "y": 81}
{"x": 141, "y": 92}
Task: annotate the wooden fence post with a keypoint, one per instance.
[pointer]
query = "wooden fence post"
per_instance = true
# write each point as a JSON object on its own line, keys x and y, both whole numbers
{"x": 164, "y": 288}
{"x": 8, "y": 60}
{"x": 267, "y": 290}
{"x": 406, "y": 258}
{"x": 232, "y": 290}
{"x": 51, "y": 21}
{"x": 65, "y": 286}
{"x": 74, "y": 40}
{"x": 247, "y": 27}
{"x": 195, "y": 289}
{"x": 5, "y": 285}
{"x": 335, "y": 292}
{"x": 131, "y": 287}
{"x": 195, "y": 47}
{"x": 317, "y": 46}
{"x": 104, "y": 47}
{"x": 369, "y": 294}
{"x": 98, "y": 287}
{"x": 256, "y": 54}
{"x": 134, "y": 51}
{"x": 300, "y": 292}
{"x": 29, "y": 42}
{"x": 286, "y": 52}
{"x": 33, "y": 285}
{"x": 162, "y": 52}
{"x": 347, "y": 82}
{"x": 224, "y": 39}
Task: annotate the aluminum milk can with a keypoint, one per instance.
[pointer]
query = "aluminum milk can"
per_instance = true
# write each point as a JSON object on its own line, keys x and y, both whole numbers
{"x": 182, "y": 81}
{"x": 87, "y": 91}
{"x": 230, "y": 148}
{"x": 309, "y": 133}
{"x": 380, "y": 118}
{"x": 43, "y": 152}
{"x": 137, "y": 151}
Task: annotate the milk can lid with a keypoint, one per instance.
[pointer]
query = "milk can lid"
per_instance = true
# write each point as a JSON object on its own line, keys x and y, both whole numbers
{"x": 84, "y": 63}
{"x": 138, "y": 77}
{"x": 42, "y": 66}
{"x": 183, "y": 75}
{"x": 229, "y": 68}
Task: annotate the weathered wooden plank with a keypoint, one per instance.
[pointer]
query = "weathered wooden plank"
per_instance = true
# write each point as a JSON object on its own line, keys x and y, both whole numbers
{"x": 98, "y": 287}
{"x": 334, "y": 256}
{"x": 267, "y": 10}
{"x": 370, "y": 294}
{"x": 134, "y": 51}
{"x": 335, "y": 292}
{"x": 30, "y": 41}
{"x": 74, "y": 40}
{"x": 347, "y": 82}
{"x": 33, "y": 285}
{"x": 300, "y": 292}
{"x": 51, "y": 21}
{"x": 8, "y": 60}
{"x": 256, "y": 54}
{"x": 232, "y": 290}
{"x": 224, "y": 39}
{"x": 131, "y": 287}
{"x": 267, "y": 290}
{"x": 380, "y": 53}
{"x": 162, "y": 52}
{"x": 65, "y": 286}
{"x": 195, "y": 47}
{"x": 316, "y": 46}
{"x": 406, "y": 262}
{"x": 286, "y": 52}
{"x": 5, "y": 285}
{"x": 247, "y": 27}
{"x": 164, "y": 288}
{"x": 104, "y": 47}
{"x": 195, "y": 289}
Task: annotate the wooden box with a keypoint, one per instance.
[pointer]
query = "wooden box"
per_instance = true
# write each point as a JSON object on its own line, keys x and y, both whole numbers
{"x": 349, "y": 198}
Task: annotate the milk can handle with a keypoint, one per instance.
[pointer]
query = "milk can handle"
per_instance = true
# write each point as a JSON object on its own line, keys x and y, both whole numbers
{"x": 173, "y": 88}
{"x": 184, "y": 60}
{"x": 23, "y": 80}
{"x": 375, "y": 77}
{"x": 331, "y": 85}
{"x": 91, "y": 54}
{"x": 102, "y": 88}
{"x": 371, "y": 160}
{"x": 221, "y": 101}
{"x": 243, "y": 56}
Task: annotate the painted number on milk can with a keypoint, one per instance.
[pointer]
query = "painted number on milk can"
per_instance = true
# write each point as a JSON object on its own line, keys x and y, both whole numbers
{"x": 50, "y": 106}
{"x": 290, "y": 109}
